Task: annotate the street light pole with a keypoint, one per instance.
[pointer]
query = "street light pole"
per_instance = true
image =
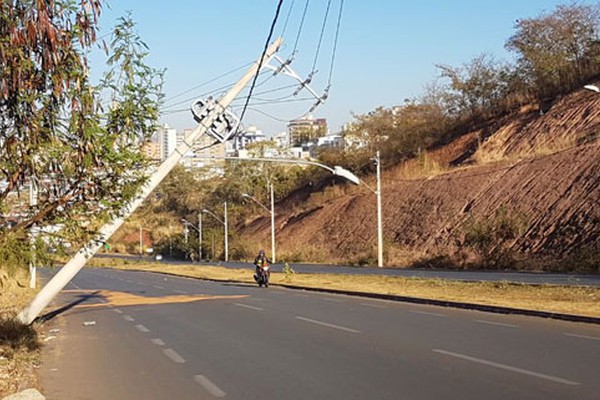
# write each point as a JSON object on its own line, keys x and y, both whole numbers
{"x": 379, "y": 219}
{"x": 224, "y": 222}
{"x": 226, "y": 233}
{"x": 272, "y": 225}
{"x": 199, "y": 236}
{"x": 272, "y": 213}
{"x": 141, "y": 242}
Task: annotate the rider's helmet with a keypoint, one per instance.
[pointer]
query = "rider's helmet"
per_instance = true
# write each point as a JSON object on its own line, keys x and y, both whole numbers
{"x": 261, "y": 252}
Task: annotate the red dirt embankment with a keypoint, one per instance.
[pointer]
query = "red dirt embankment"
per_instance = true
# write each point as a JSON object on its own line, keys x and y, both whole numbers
{"x": 555, "y": 184}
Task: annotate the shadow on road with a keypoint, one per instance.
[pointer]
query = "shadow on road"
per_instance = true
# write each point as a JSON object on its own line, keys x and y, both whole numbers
{"x": 79, "y": 299}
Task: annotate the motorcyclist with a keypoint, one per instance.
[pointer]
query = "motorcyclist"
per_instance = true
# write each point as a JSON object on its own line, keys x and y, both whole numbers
{"x": 260, "y": 260}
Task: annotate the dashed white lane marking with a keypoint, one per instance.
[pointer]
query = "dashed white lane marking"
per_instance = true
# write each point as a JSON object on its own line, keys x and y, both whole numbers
{"x": 301, "y": 295}
{"x": 118, "y": 311}
{"x": 581, "y": 336}
{"x": 142, "y": 328}
{"x": 342, "y": 328}
{"x": 157, "y": 342}
{"x": 180, "y": 291}
{"x": 373, "y": 305}
{"x": 128, "y": 318}
{"x": 483, "y": 321}
{"x": 508, "y": 367}
{"x": 248, "y": 306}
{"x": 332, "y": 300}
{"x": 426, "y": 313}
{"x": 76, "y": 287}
{"x": 209, "y": 386}
{"x": 159, "y": 286}
{"x": 172, "y": 354}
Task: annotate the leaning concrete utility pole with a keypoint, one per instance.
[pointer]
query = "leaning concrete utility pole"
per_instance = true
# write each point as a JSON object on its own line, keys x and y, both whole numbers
{"x": 71, "y": 268}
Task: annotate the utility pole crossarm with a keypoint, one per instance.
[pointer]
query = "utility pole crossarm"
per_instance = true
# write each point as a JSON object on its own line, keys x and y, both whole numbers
{"x": 74, "y": 265}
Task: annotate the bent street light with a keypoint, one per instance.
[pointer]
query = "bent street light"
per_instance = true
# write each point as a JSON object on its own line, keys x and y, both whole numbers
{"x": 272, "y": 213}
{"x": 224, "y": 222}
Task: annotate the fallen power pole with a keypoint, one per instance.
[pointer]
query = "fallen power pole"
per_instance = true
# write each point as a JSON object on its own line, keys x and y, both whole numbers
{"x": 213, "y": 112}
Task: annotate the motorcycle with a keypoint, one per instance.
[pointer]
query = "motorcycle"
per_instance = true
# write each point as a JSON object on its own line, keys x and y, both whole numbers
{"x": 262, "y": 275}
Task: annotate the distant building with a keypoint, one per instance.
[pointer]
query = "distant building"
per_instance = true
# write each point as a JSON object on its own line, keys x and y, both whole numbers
{"x": 167, "y": 141}
{"x": 282, "y": 139}
{"x": 249, "y": 136}
{"x": 306, "y": 129}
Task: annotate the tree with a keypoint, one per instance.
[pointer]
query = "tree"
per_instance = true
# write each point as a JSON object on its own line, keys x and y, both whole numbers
{"x": 55, "y": 135}
{"x": 476, "y": 87}
{"x": 559, "y": 50}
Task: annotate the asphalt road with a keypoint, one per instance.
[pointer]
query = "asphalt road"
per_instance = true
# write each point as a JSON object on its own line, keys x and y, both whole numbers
{"x": 205, "y": 340}
{"x": 471, "y": 276}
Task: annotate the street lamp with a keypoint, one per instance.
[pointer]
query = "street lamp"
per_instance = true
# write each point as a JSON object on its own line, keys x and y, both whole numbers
{"x": 198, "y": 229}
{"x": 224, "y": 222}
{"x": 338, "y": 171}
{"x": 272, "y": 212}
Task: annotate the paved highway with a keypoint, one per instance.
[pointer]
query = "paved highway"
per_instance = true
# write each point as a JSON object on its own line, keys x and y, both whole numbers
{"x": 472, "y": 276}
{"x": 148, "y": 336}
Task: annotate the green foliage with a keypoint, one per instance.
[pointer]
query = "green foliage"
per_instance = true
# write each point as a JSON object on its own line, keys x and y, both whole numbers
{"x": 288, "y": 272}
{"x": 84, "y": 162}
{"x": 490, "y": 237}
{"x": 558, "y": 50}
{"x": 476, "y": 87}
{"x": 585, "y": 259}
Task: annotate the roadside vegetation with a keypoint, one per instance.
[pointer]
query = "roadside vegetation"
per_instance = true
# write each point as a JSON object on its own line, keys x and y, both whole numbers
{"x": 19, "y": 344}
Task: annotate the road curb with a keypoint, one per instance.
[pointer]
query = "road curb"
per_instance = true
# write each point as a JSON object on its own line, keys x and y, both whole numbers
{"x": 415, "y": 300}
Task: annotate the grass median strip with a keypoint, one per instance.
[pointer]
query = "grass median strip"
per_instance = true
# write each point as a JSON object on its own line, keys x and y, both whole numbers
{"x": 579, "y": 300}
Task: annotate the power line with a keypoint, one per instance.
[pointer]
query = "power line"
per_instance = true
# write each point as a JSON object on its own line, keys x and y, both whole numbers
{"x": 262, "y": 57}
{"x": 335, "y": 42}
{"x": 207, "y": 82}
{"x": 321, "y": 36}
{"x": 300, "y": 26}
{"x": 287, "y": 18}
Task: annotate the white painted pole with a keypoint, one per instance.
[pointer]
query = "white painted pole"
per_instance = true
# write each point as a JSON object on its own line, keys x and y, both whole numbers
{"x": 141, "y": 242}
{"x": 273, "y": 258}
{"x": 74, "y": 265}
{"x": 226, "y": 233}
{"x": 379, "y": 219}
{"x": 200, "y": 236}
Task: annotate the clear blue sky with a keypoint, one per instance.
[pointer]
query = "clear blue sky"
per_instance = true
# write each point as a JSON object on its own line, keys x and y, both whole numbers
{"x": 387, "y": 49}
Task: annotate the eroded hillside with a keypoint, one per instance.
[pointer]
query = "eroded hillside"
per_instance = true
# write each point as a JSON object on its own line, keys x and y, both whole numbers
{"x": 542, "y": 163}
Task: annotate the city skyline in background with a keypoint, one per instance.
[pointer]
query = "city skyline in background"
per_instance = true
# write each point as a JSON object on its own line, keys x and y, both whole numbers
{"x": 386, "y": 51}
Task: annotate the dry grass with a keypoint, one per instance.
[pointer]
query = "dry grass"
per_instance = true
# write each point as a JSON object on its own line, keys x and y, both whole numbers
{"x": 19, "y": 344}
{"x": 560, "y": 299}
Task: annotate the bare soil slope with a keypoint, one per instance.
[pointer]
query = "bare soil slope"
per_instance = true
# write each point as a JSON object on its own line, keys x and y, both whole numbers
{"x": 542, "y": 162}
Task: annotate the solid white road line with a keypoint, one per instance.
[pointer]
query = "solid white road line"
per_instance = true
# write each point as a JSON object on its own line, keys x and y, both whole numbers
{"x": 342, "y": 328}
{"x": 483, "y": 321}
{"x": 209, "y": 386}
{"x": 142, "y": 328}
{"x": 581, "y": 336}
{"x": 128, "y": 318}
{"x": 157, "y": 342}
{"x": 426, "y": 313}
{"x": 247, "y": 306}
{"x": 172, "y": 354}
{"x": 508, "y": 367}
